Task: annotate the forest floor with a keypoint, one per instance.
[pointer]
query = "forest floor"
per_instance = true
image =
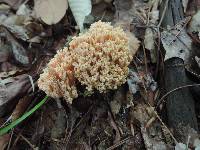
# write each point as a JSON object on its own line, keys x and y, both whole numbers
{"x": 158, "y": 108}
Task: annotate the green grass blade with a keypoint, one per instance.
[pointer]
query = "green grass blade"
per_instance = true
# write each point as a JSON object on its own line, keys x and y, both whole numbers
{"x": 19, "y": 120}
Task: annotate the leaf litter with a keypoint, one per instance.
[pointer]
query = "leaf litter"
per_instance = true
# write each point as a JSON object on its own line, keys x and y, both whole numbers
{"x": 125, "y": 118}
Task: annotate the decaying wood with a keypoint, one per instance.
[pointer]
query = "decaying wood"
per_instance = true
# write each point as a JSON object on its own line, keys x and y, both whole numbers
{"x": 180, "y": 104}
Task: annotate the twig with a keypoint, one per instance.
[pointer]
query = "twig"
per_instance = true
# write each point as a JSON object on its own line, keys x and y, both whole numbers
{"x": 7, "y": 121}
{"x": 163, "y": 14}
{"x": 145, "y": 59}
{"x": 132, "y": 130}
{"x": 185, "y": 24}
{"x": 27, "y": 141}
{"x": 11, "y": 135}
{"x": 16, "y": 140}
{"x": 157, "y": 53}
{"x": 32, "y": 83}
{"x": 119, "y": 143}
{"x": 67, "y": 137}
{"x": 176, "y": 89}
{"x": 104, "y": 13}
{"x": 114, "y": 126}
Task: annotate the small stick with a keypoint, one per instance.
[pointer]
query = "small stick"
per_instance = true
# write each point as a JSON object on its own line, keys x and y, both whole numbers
{"x": 176, "y": 89}
{"x": 27, "y": 141}
{"x": 163, "y": 14}
{"x": 119, "y": 143}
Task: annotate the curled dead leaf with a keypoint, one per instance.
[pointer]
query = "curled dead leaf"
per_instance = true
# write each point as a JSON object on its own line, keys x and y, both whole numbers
{"x": 50, "y": 11}
{"x": 11, "y": 90}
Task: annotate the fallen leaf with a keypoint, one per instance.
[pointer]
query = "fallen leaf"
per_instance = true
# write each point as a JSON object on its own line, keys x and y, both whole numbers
{"x": 176, "y": 46}
{"x": 19, "y": 31}
{"x": 14, "y": 24}
{"x": 8, "y": 69}
{"x": 19, "y": 52}
{"x": 80, "y": 9}
{"x": 51, "y": 11}
{"x": 24, "y": 10}
{"x": 192, "y": 7}
{"x": 4, "y": 139}
{"x": 13, "y": 3}
{"x": 4, "y": 53}
{"x": 176, "y": 41}
{"x": 11, "y": 91}
{"x": 21, "y": 107}
{"x": 4, "y": 7}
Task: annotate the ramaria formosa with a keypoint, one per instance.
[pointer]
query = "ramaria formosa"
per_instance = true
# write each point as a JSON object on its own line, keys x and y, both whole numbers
{"x": 58, "y": 80}
{"x": 98, "y": 59}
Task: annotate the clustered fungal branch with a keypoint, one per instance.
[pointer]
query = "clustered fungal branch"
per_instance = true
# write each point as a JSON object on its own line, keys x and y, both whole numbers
{"x": 98, "y": 59}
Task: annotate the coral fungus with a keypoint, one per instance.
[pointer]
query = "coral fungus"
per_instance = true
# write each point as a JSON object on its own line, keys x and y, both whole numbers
{"x": 98, "y": 59}
{"x": 58, "y": 79}
{"x": 101, "y": 57}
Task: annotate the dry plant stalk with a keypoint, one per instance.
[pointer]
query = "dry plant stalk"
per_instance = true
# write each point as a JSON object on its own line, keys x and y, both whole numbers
{"x": 98, "y": 59}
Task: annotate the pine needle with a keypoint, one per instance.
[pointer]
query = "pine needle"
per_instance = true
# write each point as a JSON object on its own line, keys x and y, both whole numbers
{"x": 10, "y": 126}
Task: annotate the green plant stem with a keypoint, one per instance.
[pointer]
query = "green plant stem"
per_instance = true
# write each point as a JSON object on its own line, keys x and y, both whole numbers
{"x": 10, "y": 126}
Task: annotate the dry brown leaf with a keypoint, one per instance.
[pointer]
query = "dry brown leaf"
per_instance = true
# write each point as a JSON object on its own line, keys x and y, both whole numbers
{"x": 21, "y": 107}
{"x": 11, "y": 89}
{"x": 4, "y": 54}
{"x": 13, "y": 3}
{"x": 14, "y": 23}
{"x": 4, "y": 139}
{"x": 19, "y": 52}
{"x": 192, "y": 7}
{"x": 50, "y": 11}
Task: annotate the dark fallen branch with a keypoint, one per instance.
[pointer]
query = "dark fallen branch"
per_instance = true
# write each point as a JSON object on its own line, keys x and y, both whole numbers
{"x": 179, "y": 104}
